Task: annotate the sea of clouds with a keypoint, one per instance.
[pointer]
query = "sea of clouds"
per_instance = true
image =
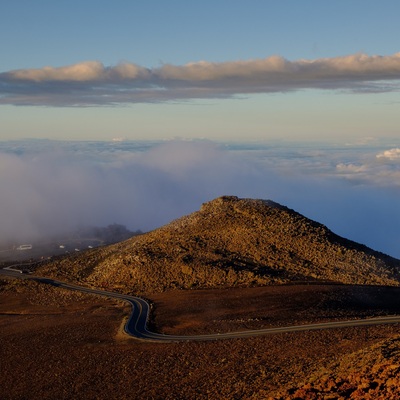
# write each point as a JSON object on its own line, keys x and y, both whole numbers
{"x": 51, "y": 187}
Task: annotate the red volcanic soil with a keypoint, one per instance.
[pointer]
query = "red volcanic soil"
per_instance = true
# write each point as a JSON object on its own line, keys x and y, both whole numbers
{"x": 223, "y": 310}
{"x": 61, "y": 344}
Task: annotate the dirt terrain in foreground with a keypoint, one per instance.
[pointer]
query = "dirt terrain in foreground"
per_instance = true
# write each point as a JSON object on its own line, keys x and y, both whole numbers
{"x": 60, "y": 344}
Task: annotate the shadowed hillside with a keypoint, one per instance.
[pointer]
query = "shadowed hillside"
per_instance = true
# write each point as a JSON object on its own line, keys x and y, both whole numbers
{"x": 230, "y": 242}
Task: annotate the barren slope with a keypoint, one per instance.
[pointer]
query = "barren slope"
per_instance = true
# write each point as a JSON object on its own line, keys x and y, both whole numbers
{"x": 230, "y": 242}
{"x": 58, "y": 344}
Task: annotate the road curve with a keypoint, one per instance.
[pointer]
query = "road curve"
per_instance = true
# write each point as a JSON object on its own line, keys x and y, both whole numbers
{"x": 136, "y": 325}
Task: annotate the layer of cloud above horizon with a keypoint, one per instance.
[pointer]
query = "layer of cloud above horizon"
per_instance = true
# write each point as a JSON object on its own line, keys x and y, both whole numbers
{"x": 51, "y": 187}
{"x": 91, "y": 83}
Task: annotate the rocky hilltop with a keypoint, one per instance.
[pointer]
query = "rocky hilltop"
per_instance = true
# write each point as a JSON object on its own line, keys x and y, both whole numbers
{"x": 230, "y": 242}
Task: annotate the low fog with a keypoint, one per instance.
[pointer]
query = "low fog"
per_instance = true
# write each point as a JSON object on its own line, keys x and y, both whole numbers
{"x": 55, "y": 188}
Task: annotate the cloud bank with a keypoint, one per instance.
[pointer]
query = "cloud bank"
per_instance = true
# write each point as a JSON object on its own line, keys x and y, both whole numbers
{"x": 55, "y": 190}
{"x": 91, "y": 83}
{"x": 48, "y": 188}
{"x": 392, "y": 154}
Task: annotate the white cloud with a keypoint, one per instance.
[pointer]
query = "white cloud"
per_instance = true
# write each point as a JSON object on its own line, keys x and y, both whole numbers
{"x": 207, "y": 71}
{"x": 351, "y": 168}
{"x": 82, "y": 72}
{"x": 381, "y": 169}
{"x": 86, "y": 71}
{"x": 91, "y": 83}
{"x": 392, "y": 154}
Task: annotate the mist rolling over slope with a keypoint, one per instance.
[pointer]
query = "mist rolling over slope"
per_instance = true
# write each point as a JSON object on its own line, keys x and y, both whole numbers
{"x": 51, "y": 187}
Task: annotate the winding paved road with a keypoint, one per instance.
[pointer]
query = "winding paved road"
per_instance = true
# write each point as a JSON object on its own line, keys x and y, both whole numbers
{"x": 136, "y": 325}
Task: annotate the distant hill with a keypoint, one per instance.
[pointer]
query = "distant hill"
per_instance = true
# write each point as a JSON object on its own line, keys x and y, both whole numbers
{"x": 230, "y": 242}
{"x": 82, "y": 238}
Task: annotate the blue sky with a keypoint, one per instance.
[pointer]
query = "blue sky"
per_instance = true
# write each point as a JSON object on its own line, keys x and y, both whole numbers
{"x": 146, "y": 79}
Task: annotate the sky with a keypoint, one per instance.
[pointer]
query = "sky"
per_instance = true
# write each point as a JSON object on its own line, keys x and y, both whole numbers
{"x": 313, "y": 86}
{"x": 254, "y": 70}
